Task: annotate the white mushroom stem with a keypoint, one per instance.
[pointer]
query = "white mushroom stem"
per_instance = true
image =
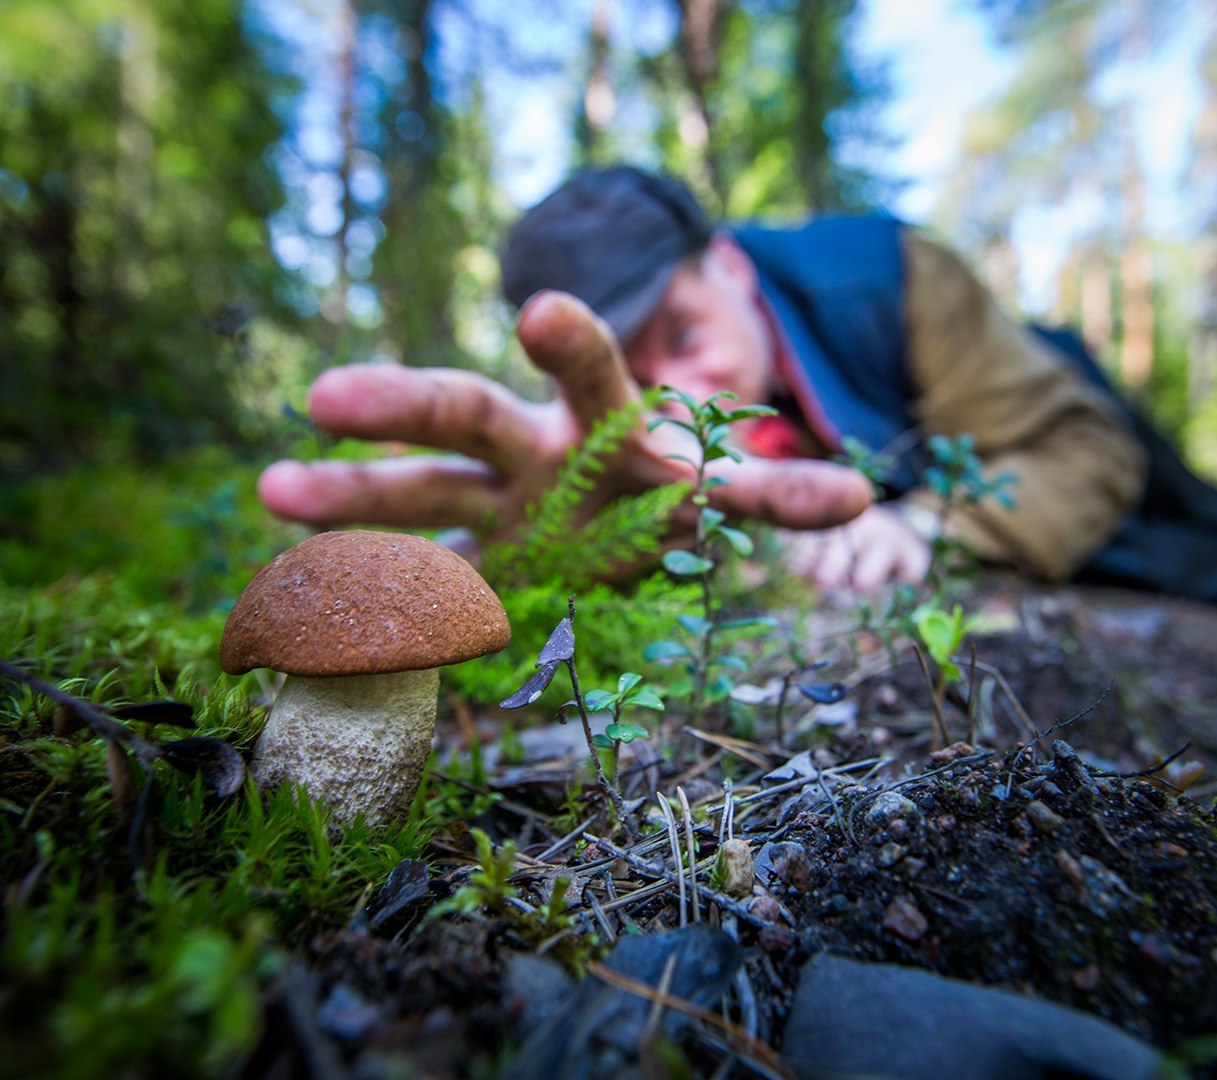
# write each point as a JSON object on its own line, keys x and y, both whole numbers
{"x": 357, "y": 742}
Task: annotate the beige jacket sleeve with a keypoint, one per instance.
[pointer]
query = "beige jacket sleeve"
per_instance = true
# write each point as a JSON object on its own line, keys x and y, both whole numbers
{"x": 1078, "y": 469}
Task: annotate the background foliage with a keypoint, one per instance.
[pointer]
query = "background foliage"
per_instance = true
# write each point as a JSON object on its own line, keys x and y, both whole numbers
{"x": 204, "y": 203}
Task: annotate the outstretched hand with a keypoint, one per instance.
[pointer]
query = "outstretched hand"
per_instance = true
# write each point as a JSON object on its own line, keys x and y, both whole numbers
{"x": 505, "y": 452}
{"x": 864, "y": 554}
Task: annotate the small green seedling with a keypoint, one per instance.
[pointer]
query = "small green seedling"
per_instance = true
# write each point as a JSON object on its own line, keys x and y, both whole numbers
{"x": 489, "y": 886}
{"x": 709, "y": 423}
{"x": 550, "y": 925}
{"x": 630, "y": 693}
{"x": 957, "y": 475}
{"x": 942, "y": 635}
{"x": 559, "y": 649}
{"x": 872, "y": 464}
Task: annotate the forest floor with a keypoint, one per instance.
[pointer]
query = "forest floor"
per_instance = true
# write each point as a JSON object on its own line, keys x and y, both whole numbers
{"x": 1062, "y": 871}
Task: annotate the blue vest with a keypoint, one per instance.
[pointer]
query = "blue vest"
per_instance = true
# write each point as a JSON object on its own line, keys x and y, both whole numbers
{"x": 837, "y": 287}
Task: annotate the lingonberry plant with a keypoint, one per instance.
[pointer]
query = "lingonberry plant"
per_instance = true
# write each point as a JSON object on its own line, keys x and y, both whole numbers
{"x": 709, "y": 423}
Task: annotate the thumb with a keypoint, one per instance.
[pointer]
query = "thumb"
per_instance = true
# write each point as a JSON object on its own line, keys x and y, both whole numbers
{"x": 566, "y": 339}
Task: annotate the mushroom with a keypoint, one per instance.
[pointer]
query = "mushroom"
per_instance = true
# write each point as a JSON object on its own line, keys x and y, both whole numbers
{"x": 360, "y": 622}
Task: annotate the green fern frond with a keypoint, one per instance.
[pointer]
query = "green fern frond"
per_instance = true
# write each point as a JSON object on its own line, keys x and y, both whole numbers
{"x": 623, "y": 533}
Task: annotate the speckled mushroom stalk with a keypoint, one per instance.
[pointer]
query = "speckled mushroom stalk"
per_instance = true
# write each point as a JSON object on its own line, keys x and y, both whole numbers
{"x": 357, "y": 742}
{"x": 360, "y": 622}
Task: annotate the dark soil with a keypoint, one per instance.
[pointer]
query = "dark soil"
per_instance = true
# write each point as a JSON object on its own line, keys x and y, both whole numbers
{"x": 1042, "y": 870}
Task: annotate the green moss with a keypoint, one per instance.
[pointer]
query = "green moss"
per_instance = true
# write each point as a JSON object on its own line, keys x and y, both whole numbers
{"x": 144, "y": 963}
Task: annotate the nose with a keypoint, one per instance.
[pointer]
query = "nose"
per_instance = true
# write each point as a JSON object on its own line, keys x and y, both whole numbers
{"x": 657, "y": 369}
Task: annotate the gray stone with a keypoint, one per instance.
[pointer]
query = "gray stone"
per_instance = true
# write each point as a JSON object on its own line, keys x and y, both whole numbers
{"x": 595, "y": 1035}
{"x": 883, "y": 1020}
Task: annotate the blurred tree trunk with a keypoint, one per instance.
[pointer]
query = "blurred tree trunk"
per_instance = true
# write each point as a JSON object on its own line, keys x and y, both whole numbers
{"x": 1203, "y": 374}
{"x": 135, "y": 188}
{"x": 53, "y": 235}
{"x": 820, "y": 89}
{"x": 701, "y": 44}
{"x": 1136, "y": 258}
{"x": 416, "y": 259}
{"x": 334, "y": 306}
{"x": 1094, "y": 308}
{"x": 137, "y": 94}
{"x": 599, "y": 99}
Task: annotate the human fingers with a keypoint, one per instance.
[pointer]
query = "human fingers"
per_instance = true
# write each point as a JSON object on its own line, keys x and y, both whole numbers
{"x": 886, "y": 551}
{"x": 793, "y": 494}
{"x": 407, "y": 492}
{"x": 915, "y": 560}
{"x": 441, "y": 408}
{"x": 566, "y": 339}
{"x": 833, "y": 562}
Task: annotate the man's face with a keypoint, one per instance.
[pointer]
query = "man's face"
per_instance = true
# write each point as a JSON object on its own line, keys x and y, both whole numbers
{"x": 708, "y": 333}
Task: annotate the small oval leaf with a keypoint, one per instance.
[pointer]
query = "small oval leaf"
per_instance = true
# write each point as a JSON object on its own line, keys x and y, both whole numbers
{"x": 599, "y": 700}
{"x": 695, "y": 624}
{"x": 626, "y": 733}
{"x": 647, "y": 699}
{"x": 627, "y": 682}
{"x": 740, "y": 541}
{"x": 686, "y": 563}
{"x": 735, "y": 663}
{"x": 759, "y": 622}
{"x": 665, "y": 650}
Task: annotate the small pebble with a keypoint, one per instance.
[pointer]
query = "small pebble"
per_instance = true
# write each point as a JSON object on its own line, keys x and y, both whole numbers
{"x": 766, "y": 908}
{"x": 904, "y": 919}
{"x": 953, "y": 752}
{"x": 1071, "y": 869}
{"x": 838, "y": 905}
{"x": 735, "y": 865}
{"x": 890, "y": 854}
{"x": 786, "y": 863}
{"x": 887, "y": 697}
{"x": 777, "y": 940}
{"x": 1043, "y": 818}
{"x": 1086, "y": 978}
{"x": 888, "y": 806}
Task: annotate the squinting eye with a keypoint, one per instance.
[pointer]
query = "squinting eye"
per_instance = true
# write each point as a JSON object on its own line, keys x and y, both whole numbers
{"x": 681, "y": 339}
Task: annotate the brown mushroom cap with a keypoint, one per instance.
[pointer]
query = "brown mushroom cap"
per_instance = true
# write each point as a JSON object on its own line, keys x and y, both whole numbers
{"x": 363, "y": 603}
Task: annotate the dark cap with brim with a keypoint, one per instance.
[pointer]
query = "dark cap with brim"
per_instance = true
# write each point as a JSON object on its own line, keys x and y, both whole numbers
{"x": 612, "y": 237}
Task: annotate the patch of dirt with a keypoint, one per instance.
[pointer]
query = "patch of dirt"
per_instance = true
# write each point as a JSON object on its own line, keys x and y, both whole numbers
{"x": 1095, "y": 894}
{"x": 1041, "y": 870}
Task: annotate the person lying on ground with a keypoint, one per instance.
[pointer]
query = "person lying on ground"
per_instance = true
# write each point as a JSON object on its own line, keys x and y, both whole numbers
{"x": 847, "y": 326}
